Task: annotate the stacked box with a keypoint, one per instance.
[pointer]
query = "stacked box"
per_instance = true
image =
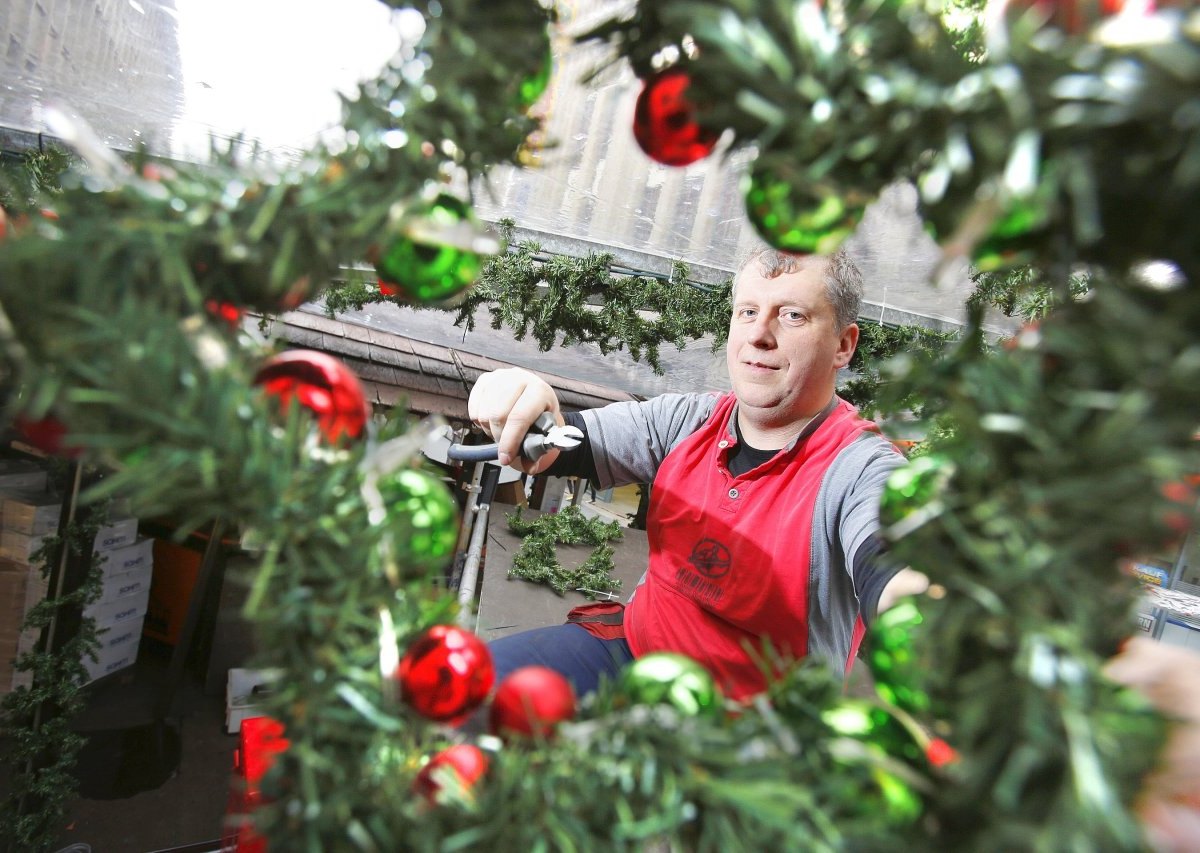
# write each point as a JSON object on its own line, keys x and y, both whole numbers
{"x": 22, "y": 474}
{"x": 126, "y": 566}
{"x": 21, "y": 586}
{"x": 28, "y": 515}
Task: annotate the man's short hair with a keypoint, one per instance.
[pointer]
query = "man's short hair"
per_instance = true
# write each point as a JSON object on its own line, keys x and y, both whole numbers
{"x": 843, "y": 281}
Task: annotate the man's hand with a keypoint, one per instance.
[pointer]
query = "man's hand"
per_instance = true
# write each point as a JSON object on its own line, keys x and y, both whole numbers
{"x": 504, "y": 404}
{"x": 1169, "y": 676}
{"x": 904, "y": 583}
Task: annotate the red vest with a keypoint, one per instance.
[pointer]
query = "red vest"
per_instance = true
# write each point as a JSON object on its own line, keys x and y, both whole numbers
{"x": 730, "y": 556}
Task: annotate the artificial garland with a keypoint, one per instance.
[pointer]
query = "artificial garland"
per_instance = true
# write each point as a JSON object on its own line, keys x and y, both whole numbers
{"x": 41, "y": 748}
{"x": 537, "y": 559}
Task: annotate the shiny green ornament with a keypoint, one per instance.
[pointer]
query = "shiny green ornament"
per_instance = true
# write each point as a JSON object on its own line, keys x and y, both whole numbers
{"x": 796, "y": 220}
{"x": 667, "y": 678}
{"x": 422, "y": 518}
{"x": 424, "y": 270}
{"x": 911, "y": 495}
{"x": 532, "y": 86}
{"x": 1012, "y": 240}
{"x": 894, "y": 666}
{"x": 884, "y": 735}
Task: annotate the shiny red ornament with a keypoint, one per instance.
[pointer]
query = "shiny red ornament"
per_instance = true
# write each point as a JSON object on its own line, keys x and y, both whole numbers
{"x": 446, "y": 674}
{"x": 323, "y": 385}
{"x": 465, "y": 761}
{"x": 939, "y": 753}
{"x": 386, "y": 288}
{"x": 532, "y": 701}
{"x": 1075, "y": 16}
{"x": 665, "y": 121}
{"x": 227, "y": 311}
{"x": 46, "y": 434}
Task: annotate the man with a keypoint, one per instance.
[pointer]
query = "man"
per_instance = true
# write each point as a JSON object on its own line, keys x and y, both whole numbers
{"x": 764, "y": 512}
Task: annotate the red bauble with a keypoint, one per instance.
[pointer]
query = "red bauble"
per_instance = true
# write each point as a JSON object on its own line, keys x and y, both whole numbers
{"x": 939, "y": 753}
{"x": 446, "y": 674}
{"x": 532, "y": 701}
{"x": 46, "y": 434}
{"x": 227, "y": 311}
{"x": 664, "y": 121}
{"x": 466, "y": 761}
{"x": 386, "y": 288}
{"x": 323, "y": 385}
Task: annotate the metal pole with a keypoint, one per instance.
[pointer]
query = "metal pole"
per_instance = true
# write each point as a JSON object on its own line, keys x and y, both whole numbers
{"x": 454, "y": 577}
{"x": 470, "y": 574}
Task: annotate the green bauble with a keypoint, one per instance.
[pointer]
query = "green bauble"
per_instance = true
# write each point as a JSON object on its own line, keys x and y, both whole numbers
{"x": 893, "y": 663}
{"x": 426, "y": 271}
{"x": 911, "y": 495}
{"x": 796, "y": 220}
{"x": 1013, "y": 239}
{"x": 533, "y": 85}
{"x": 422, "y": 518}
{"x": 667, "y": 678}
{"x": 884, "y": 735}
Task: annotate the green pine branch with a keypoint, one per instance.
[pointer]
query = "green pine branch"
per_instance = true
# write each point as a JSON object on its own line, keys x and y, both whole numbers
{"x": 537, "y": 559}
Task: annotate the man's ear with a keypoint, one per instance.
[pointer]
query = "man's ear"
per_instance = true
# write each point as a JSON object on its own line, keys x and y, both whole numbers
{"x": 846, "y": 346}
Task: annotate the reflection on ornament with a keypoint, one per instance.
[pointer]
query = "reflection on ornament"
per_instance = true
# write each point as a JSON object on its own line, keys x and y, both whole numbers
{"x": 665, "y": 121}
{"x": 666, "y": 678}
{"x": 911, "y": 495}
{"x": 424, "y": 270}
{"x": 531, "y": 701}
{"x": 323, "y": 385}
{"x": 445, "y": 674}
{"x": 423, "y": 517}
{"x": 796, "y": 221}
{"x": 458, "y": 767}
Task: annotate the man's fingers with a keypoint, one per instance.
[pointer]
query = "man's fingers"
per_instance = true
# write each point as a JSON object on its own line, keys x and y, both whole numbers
{"x": 527, "y": 408}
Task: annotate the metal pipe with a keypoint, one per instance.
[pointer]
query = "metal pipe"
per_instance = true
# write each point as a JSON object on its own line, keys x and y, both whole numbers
{"x": 470, "y": 573}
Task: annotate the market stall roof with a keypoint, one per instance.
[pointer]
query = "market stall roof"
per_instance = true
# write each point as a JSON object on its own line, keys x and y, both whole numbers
{"x": 426, "y": 378}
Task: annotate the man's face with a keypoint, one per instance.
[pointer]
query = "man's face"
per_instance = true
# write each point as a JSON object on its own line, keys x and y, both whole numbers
{"x": 785, "y": 346}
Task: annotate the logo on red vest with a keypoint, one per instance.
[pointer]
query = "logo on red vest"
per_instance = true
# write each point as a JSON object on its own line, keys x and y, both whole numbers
{"x": 711, "y": 558}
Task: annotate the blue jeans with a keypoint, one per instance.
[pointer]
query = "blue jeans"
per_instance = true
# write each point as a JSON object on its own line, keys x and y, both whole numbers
{"x": 568, "y": 649}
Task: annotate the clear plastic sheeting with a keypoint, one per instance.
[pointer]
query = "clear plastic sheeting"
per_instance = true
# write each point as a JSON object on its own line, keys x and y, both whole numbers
{"x": 171, "y": 75}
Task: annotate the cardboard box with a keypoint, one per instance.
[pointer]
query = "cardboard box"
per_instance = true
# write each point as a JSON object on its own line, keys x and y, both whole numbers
{"x": 118, "y": 634}
{"x": 126, "y": 584}
{"x": 244, "y": 690}
{"x": 116, "y": 534}
{"x": 30, "y": 512}
{"x": 21, "y": 587}
{"x": 139, "y": 555}
{"x": 19, "y": 547}
{"x": 21, "y": 474}
{"x": 120, "y": 609}
{"x": 112, "y": 658}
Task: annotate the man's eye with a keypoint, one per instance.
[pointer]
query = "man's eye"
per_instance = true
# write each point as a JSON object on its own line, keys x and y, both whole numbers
{"x": 793, "y": 316}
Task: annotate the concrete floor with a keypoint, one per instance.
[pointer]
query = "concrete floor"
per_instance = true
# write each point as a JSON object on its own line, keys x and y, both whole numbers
{"x": 183, "y": 767}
